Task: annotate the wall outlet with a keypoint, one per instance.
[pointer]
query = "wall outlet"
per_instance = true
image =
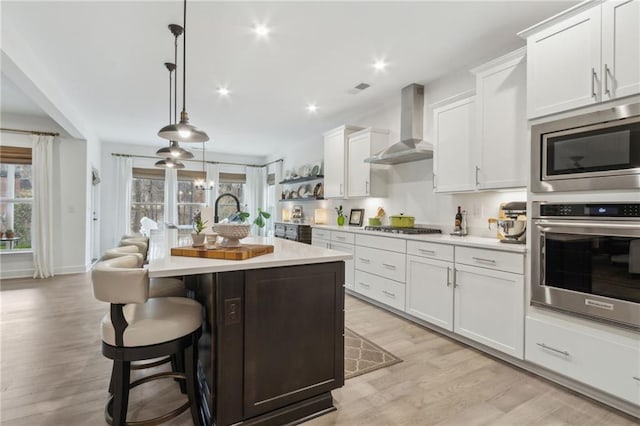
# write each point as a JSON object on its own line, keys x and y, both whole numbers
{"x": 232, "y": 311}
{"x": 477, "y": 210}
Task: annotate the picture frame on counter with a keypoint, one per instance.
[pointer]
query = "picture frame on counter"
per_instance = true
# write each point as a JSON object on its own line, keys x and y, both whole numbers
{"x": 356, "y": 216}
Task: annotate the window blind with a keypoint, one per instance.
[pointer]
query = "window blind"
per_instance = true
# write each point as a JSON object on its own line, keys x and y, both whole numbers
{"x": 15, "y": 155}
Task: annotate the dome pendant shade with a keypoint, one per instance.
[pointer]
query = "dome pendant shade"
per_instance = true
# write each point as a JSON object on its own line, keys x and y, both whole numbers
{"x": 174, "y": 151}
{"x": 183, "y": 131}
{"x": 169, "y": 164}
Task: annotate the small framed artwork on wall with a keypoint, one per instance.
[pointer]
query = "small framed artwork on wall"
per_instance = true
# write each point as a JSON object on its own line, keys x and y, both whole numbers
{"x": 356, "y": 216}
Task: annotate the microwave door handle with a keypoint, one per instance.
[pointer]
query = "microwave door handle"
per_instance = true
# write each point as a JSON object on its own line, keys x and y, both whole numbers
{"x": 545, "y": 225}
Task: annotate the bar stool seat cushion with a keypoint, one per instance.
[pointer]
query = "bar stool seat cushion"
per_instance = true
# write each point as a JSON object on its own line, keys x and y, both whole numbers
{"x": 166, "y": 287}
{"x": 156, "y": 321}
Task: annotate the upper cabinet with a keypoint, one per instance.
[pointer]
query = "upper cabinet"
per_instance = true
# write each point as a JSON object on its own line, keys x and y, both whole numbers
{"x": 581, "y": 59}
{"x": 366, "y": 179}
{"x": 335, "y": 161}
{"x": 454, "y": 137}
{"x": 501, "y": 122}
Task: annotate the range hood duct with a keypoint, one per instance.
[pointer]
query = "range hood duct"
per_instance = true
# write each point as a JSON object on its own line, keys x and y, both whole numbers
{"x": 411, "y": 146}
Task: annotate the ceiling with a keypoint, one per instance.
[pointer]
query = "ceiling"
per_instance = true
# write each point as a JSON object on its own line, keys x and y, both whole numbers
{"x": 14, "y": 101}
{"x": 107, "y": 59}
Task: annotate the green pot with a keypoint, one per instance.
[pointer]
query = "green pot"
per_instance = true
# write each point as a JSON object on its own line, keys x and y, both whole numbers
{"x": 340, "y": 220}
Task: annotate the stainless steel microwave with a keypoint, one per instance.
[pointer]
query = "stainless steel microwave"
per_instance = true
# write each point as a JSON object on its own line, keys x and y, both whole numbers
{"x": 596, "y": 151}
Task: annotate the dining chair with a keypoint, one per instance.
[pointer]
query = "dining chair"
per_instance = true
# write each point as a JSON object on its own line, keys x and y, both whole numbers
{"x": 141, "y": 328}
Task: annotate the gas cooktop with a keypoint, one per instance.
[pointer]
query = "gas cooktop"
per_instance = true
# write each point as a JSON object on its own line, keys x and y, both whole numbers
{"x": 403, "y": 230}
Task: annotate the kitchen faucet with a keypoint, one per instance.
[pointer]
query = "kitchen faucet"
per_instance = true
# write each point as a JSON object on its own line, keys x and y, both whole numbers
{"x": 215, "y": 213}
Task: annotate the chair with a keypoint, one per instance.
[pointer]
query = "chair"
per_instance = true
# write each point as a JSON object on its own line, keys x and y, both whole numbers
{"x": 138, "y": 328}
{"x": 142, "y": 243}
{"x": 146, "y": 225}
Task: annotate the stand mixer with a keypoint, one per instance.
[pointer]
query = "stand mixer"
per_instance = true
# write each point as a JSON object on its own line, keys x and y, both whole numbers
{"x": 511, "y": 222}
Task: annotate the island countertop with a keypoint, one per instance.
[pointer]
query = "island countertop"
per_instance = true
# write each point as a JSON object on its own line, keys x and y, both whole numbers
{"x": 286, "y": 253}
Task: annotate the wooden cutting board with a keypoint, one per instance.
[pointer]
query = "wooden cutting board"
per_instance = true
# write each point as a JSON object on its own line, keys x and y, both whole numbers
{"x": 244, "y": 251}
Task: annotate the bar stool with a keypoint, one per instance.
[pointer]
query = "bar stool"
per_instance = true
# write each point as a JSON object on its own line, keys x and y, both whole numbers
{"x": 138, "y": 328}
{"x": 142, "y": 243}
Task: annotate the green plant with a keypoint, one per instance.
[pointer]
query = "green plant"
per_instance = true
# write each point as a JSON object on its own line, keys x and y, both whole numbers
{"x": 198, "y": 223}
{"x": 259, "y": 221}
{"x": 339, "y": 211}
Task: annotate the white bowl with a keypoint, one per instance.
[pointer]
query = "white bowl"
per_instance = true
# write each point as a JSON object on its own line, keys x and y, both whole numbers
{"x": 231, "y": 233}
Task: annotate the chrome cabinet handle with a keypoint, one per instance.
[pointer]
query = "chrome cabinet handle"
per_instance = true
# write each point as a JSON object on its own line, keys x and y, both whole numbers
{"x": 363, "y": 260}
{"x": 593, "y": 83}
{"x": 388, "y": 266}
{"x": 606, "y": 80}
{"x": 388, "y": 293}
{"x": 636, "y": 378}
{"x": 448, "y": 276}
{"x": 434, "y": 180}
{"x": 455, "y": 278}
{"x": 340, "y": 238}
{"x": 479, "y": 259}
{"x": 366, "y": 187}
{"x": 431, "y": 252}
{"x": 365, "y": 285}
{"x": 477, "y": 170}
{"x": 542, "y": 345}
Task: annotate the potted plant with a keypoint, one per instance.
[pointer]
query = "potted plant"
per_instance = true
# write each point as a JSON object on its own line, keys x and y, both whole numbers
{"x": 341, "y": 215}
{"x": 259, "y": 221}
{"x": 198, "y": 226}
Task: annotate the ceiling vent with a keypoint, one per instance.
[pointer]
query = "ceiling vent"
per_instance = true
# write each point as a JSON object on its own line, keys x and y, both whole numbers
{"x": 359, "y": 88}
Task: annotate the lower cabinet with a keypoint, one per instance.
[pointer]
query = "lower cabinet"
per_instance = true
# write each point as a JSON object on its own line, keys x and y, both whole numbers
{"x": 348, "y": 264}
{"x": 430, "y": 291}
{"x": 489, "y": 308}
{"x": 382, "y": 289}
{"x": 605, "y": 362}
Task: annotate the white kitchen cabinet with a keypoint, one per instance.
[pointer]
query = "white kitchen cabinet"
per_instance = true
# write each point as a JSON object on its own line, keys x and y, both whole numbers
{"x": 343, "y": 241}
{"x": 583, "y": 59}
{"x": 384, "y": 263}
{"x": 429, "y": 291}
{"x": 385, "y": 291}
{"x": 320, "y": 238}
{"x": 489, "y": 308}
{"x": 607, "y": 362}
{"x": 335, "y": 161}
{"x": 502, "y": 134}
{"x": 366, "y": 179}
{"x": 454, "y": 137}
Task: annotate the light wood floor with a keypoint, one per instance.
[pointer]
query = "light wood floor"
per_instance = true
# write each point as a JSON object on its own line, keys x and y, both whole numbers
{"x": 52, "y": 372}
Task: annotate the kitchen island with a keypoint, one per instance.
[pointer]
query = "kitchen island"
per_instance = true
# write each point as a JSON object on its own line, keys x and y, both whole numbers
{"x": 272, "y": 347}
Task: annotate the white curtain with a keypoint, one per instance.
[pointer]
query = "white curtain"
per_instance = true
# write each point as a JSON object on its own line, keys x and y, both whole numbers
{"x": 256, "y": 190}
{"x": 213, "y": 176}
{"x": 171, "y": 196}
{"x": 122, "y": 189}
{"x": 42, "y": 213}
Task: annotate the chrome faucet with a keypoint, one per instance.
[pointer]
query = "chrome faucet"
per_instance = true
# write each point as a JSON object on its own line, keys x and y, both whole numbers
{"x": 226, "y": 194}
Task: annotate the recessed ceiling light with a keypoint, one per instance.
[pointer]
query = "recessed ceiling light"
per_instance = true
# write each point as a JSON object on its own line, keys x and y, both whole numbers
{"x": 261, "y": 31}
{"x": 223, "y": 91}
{"x": 380, "y": 65}
{"x": 312, "y": 108}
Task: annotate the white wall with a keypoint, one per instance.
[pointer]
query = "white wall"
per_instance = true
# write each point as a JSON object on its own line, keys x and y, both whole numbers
{"x": 69, "y": 199}
{"x": 410, "y": 188}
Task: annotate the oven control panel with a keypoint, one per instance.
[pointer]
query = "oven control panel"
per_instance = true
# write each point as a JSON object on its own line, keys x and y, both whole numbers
{"x": 621, "y": 210}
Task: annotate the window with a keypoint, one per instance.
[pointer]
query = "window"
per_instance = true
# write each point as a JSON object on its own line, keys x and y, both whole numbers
{"x": 230, "y": 183}
{"x": 16, "y": 197}
{"x": 189, "y": 198}
{"x": 147, "y": 196}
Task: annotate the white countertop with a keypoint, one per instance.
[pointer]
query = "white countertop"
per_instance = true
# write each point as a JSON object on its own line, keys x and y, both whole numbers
{"x": 467, "y": 241}
{"x": 286, "y": 253}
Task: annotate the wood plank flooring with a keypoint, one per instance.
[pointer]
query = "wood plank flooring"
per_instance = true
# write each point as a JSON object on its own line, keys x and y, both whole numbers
{"x": 53, "y": 373}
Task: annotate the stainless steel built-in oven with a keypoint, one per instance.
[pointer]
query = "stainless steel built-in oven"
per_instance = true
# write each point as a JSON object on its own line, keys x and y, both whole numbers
{"x": 586, "y": 260}
{"x": 594, "y": 151}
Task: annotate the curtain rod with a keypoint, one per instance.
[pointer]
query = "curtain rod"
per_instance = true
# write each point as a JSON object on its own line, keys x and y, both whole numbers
{"x": 29, "y": 132}
{"x": 199, "y": 161}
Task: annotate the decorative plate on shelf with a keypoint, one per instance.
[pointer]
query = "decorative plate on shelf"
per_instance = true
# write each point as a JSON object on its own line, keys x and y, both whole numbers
{"x": 318, "y": 191}
{"x": 293, "y": 194}
{"x": 315, "y": 171}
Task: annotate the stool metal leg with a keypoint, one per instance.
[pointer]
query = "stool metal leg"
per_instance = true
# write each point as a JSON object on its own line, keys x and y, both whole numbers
{"x": 177, "y": 365}
{"x": 121, "y": 378}
{"x": 193, "y": 387}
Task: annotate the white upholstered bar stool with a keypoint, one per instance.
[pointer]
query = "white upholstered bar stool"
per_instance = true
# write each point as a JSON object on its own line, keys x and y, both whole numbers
{"x": 139, "y": 328}
{"x": 158, "y": 287}
{"x": 142, "y": 243}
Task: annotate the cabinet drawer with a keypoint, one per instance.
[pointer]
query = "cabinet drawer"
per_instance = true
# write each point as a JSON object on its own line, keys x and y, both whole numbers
{"x": 279, "y": 230}
{"x": 604, "y": 364}
{"x": 320, "y": 243}
{"x": 348, "y": 264}
{"x": 433, "y": 251}
{"x": 321, "y": 234}
{"x": 386, "y": 243}
{"x": 492, "y": 259}
{"x": 381, "y": 289}
{"x": 381, "y": 262}
{"x": 342, "y": 237}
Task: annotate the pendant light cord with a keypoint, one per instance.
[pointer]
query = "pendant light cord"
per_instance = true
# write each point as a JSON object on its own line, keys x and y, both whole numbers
{"x": 184, "y": 59}
{"x": 175, "y": 99}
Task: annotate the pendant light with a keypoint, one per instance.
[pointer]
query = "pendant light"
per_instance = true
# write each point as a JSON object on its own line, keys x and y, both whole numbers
{"x": 171, "y": 161}
{"x": 201, "y": 184}
{"x": 183, "y": 131}
{"x": 174, "y": 150}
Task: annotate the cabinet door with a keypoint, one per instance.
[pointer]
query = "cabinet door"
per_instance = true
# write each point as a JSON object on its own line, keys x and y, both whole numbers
{"x": 563, "y": 65}
{"x": 502, "y": 125}
{"x": 359, "y": 172}
{"x": 334, "y": 165}
{"x": 454, "y": 130}
{"x": 489, "y": 308}
{"x": 348, "y": 264}
{"x": 620, "y": 48}
{"x": 430, "y": 291}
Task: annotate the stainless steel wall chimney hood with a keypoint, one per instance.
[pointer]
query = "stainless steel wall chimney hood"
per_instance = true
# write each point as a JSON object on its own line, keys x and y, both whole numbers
{"x": 411, "y": 146}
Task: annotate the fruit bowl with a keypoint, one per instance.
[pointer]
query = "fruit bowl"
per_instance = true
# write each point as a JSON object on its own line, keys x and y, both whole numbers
{"x": 232, "y": 233}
